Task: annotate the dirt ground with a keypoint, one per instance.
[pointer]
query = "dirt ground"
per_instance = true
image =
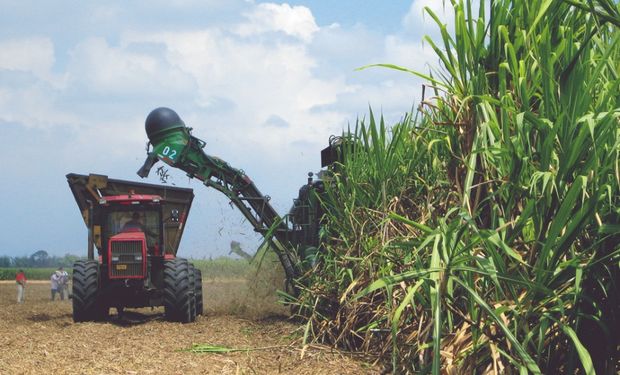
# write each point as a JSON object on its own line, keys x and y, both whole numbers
{"x": 39, "y": 337}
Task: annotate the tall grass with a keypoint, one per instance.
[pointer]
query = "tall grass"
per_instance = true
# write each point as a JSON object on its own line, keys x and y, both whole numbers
{"x": 222, "y": 268}
{"x": 484, "y": 237}
{"x": 30, "y": 272}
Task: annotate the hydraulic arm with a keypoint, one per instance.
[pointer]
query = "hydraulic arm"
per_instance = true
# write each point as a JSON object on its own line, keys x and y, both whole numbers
{"x": 173, "y": 144}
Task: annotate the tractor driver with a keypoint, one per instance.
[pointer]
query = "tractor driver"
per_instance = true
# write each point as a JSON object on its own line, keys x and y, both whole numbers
{"x": 134, "y": 224}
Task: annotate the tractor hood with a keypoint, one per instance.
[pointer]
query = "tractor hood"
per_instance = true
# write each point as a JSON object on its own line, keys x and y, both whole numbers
{"x": 89, "y": 189}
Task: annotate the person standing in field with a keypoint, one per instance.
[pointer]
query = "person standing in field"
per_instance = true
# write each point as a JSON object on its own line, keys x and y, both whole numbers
{"x": 55, "y": 284}
{"x": 20, "y": 279}
{"x": 64, "y": 284}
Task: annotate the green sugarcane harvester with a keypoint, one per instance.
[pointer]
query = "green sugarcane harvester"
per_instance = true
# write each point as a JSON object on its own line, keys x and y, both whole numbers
{"x": 294, "y": 238}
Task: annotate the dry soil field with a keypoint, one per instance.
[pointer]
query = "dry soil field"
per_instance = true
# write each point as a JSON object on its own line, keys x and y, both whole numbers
{"x": 39, "y": 337}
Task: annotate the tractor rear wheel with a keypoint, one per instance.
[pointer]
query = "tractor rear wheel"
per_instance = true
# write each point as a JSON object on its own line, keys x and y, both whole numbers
{"x": 86, "y": 304}
{"x": 198, "y": 293}
{"x": 177, "y": 294}
{"x": 192, "y": 288}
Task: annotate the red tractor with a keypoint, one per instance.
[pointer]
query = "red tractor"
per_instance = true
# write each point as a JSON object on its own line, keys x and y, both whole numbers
{"x": 136, "y": 229}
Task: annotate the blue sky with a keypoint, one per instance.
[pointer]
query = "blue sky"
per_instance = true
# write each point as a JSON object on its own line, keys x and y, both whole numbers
{"x": 263, "y": 83}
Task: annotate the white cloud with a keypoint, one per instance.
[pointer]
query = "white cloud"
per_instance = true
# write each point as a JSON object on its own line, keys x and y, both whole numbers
{"x": 261, "y": 79}
{"x": 105, "y": 13}
{"x": 296, "y": 21}
{"x": 33, "y": 55}
{"x": 102, "y": 68}
{"x": 236, "y": 83}
{"x": 255, "y": 80}
{"x": 33, "y": 107}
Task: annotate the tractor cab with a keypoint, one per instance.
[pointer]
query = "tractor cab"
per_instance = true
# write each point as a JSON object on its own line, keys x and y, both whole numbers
{"x": 132, "y": 230}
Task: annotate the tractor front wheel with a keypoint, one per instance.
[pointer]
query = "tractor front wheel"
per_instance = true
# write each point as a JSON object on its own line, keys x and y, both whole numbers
{"x": 86, "y": 306}
{"x": 177, "y": 294}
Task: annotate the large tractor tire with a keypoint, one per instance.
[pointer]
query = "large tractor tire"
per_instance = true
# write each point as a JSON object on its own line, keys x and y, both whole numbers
{"x": 86, "y": 304}
{"x": 198, "y": 293}
{"x": 177, "y": 294}
{"x": 192, "y": 288}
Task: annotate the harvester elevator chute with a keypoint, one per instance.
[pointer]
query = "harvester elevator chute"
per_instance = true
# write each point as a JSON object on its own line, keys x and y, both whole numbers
{"x": 172, "y": 143}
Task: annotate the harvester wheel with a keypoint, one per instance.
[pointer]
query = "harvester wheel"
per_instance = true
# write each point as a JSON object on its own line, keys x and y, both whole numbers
{"x": 198, "y": 293}
{"x": 177, "y": 295}
{"x": 192, "y": 288}
{"x": 86, "y": 306}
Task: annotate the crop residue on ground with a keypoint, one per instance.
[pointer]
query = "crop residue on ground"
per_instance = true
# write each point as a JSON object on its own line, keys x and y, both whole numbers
{"x": 39, "y": 336}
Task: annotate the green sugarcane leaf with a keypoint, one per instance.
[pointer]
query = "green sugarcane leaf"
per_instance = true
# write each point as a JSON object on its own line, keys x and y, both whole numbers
{"x": 584, "y": 355}
{"x": 387, "y": 281}
{"x": 402, "y": 219}
{"x": 561, "y": 218}
{"x": 497, "y": 241}
{"x": 396, "y": 318}
{"x": 525, "y": 357}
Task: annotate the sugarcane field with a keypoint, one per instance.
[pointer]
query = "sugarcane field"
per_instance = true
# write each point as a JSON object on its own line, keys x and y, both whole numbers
{"x": 306, "y": 187}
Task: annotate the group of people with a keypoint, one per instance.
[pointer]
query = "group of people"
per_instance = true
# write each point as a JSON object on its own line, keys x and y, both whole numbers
{"x": 59, "y": 282}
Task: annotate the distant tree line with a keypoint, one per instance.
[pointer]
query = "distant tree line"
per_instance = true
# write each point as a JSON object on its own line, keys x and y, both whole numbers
{"x": 38, "y": 259}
